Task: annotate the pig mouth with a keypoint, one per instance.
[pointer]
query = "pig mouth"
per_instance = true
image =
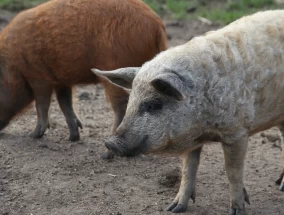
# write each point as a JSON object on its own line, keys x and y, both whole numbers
{"x": 120, "y": 148}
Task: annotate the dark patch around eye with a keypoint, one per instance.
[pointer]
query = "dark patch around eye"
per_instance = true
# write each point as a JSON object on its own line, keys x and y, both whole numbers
{"x": 151, "y": 106}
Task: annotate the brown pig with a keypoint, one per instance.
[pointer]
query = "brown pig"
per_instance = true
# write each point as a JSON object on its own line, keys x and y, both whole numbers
{"x": 53, "y": 46}
{"x": 224, "y": 86}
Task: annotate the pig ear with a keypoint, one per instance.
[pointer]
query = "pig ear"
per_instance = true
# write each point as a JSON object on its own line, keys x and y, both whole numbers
{"x": 169, "y": 85}
{"x": 121, "y": 77}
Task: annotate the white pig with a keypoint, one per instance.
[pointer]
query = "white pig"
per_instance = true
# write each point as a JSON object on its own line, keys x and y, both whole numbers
{"x": 223, "y": 86}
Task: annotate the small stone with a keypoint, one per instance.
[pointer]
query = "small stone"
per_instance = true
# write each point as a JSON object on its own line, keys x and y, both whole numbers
{"x": 43, "y": 145}
{"x": 276, "y": 145}
{"x": 84, "y": 96}
{"x": 273, "y": 138}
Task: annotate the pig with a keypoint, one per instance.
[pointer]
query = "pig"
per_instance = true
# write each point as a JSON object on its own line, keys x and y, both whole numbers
{"x": 223, "y": 86}
{"x": 53, "y": 46}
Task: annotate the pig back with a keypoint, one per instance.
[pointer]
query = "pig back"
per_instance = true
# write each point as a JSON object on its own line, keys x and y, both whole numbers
{"x": 250, "y": 54}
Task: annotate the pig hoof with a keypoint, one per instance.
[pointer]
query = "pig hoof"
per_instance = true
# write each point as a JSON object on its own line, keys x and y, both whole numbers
{"x": 279, "y": 180}
{"x": 172, "y": 206}
{"x": 37, "y": 133}
{"x": 74, "y": 131}
{"x": 74, "y": 138}
{"x": 246, "y": 196}
{"x": 282, "y": 187}
{"x": 107, "y": 155}
{"x": 79, "y": 124}
{"x": 234, "y": 211}
{"x": 176, "y": 208}
{"x": 179, "y": 208}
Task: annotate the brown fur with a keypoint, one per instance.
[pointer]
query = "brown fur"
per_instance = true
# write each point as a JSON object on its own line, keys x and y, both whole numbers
{"x": 54, "y": 46}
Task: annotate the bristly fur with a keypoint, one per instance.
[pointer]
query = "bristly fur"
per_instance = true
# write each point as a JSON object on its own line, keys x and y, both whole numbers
{"x": 231, "y": 82}
{"x": 57, "y": 43}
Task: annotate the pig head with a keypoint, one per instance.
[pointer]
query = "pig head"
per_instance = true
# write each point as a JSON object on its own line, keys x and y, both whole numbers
{"x": 164, "y": 112}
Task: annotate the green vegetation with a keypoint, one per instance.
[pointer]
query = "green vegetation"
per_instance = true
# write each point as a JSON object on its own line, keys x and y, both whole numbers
{"x": 233, "y": 10}
{"x": 222, "y": 11}
{"x": 18, "y": 5}
{"x": 178, "y": 8}
{"x": 154, "y": 4}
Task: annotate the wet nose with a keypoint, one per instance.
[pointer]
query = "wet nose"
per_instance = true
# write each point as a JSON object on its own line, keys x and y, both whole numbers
{"x": 114, "y": 145}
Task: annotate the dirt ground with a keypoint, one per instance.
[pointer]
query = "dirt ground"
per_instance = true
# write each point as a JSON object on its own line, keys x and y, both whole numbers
{"x": 52, "y": 176}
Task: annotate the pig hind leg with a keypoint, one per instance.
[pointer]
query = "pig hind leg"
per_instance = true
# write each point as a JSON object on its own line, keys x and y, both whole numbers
{"x": 190, "y": 163}
{"x": 42, "y": 96}
{"x": 64, "y": 98}
{"x": 280, "y": 181}
{"x": 118, "y": 99}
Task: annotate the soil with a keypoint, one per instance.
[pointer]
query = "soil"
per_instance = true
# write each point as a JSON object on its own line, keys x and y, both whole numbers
{"x": 52, "y": 176}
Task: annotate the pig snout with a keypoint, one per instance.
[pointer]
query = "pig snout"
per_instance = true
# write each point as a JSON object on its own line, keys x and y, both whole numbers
{"x": 119, "y": 146}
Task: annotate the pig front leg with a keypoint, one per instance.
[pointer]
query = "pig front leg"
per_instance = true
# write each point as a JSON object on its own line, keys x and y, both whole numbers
{"x": 234, "y": 162}
{"x": 190, "y": 163}
{"x": 64, "y": 98}
{"x": 42, "y": 95}
{"x": 280, "y": 181}
{"x": 282, "y": 184}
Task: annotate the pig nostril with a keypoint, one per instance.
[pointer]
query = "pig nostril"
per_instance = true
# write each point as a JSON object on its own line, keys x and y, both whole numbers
{"x": 107, "y": 145}
{"x": 114, "y": 147}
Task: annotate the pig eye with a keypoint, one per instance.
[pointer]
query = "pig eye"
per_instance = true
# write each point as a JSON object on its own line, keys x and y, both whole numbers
{"x": 152, "y": 106}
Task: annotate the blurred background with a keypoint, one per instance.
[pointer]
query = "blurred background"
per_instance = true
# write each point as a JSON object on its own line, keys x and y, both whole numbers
{"x": 220, "y": 11}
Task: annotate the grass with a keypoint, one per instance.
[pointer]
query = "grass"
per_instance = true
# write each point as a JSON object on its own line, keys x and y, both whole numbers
{"x": 236, "y": 9}
{"x": 222, "y": 11}
{"x": 178, "y": 8}
{"x": 18, "y": 5}
{"x": 154, "y": 4}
